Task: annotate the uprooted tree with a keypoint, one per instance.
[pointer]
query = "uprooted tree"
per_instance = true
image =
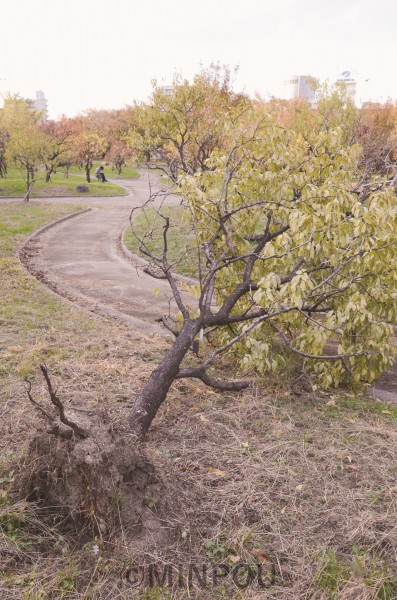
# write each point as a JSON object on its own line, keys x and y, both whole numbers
{"x": 292, "y": 259}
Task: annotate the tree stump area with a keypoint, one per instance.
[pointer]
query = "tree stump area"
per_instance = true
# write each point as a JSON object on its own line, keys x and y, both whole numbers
{"x": 93, "y": 473}
{"x": 98, "y": 482}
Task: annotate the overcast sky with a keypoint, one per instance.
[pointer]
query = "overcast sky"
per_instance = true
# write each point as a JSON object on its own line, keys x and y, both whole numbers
{"x": 104, "y": 54}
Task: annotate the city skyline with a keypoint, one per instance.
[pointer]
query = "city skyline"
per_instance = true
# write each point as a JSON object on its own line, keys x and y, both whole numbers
{"x": 93, "y": 55}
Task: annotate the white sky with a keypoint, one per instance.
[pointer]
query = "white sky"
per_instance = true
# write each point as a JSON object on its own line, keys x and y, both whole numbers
{"x": 104, "y": 54}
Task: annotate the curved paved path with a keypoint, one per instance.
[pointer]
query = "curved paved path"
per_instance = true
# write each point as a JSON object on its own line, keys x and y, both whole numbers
{"x": 80, "y": 259}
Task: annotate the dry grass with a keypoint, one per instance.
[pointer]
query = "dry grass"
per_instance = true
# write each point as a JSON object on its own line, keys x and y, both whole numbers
{"x": 304, "y": 482}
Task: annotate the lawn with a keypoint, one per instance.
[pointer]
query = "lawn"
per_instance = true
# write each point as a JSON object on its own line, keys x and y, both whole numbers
{"x": 14, "y": 186}
{"x": 181, "y": 239}
{"x": 302, "y": 484}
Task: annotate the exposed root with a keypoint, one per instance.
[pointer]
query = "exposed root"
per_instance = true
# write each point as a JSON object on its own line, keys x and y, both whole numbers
{"x": 94, "y": 474}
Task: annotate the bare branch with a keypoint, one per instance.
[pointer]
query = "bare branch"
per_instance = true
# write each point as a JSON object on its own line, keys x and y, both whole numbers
{"x": 36, "y": 404}
{"x": 211, "y": 359}
{"x": 58, "y": 404}
{"x": 201, "y": 373}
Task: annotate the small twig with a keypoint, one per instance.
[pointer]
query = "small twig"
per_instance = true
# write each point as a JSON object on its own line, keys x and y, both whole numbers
{"x": 165, "y": 321}
{"x": 36, "y": 404}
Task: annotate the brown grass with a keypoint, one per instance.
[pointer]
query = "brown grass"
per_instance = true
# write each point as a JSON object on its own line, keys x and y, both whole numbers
{"x": 304, "y": 482}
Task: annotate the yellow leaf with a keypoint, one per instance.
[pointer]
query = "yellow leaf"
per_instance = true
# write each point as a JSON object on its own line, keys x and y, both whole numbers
{"x": 215, "y": 471}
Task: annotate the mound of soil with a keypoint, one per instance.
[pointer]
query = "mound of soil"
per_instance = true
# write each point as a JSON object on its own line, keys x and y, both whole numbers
{"x": 98, "y": 482}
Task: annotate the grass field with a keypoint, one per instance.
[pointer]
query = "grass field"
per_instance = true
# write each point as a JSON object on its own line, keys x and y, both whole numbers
{"x": 13, "y": 186}
{"x": 303, "y": 484}
{"x": 181, "y": 240}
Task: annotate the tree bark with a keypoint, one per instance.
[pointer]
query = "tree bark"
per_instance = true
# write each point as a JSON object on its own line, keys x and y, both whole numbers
{"x": 87, "y": 167}
{"x": 48, "y": 174}
{"x": 156, "y": 389}
{"x": 27, "y": 195}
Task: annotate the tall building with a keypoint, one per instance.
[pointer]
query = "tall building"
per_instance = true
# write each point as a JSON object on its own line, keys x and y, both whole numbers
{"x": 300, "y": 86}
{"x": 168, "y": 90}
{"x": 40, "y": 104}
{"x": 349, "y": 84}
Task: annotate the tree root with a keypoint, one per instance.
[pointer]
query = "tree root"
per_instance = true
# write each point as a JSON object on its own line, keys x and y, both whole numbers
{"x": 94, "y": 475}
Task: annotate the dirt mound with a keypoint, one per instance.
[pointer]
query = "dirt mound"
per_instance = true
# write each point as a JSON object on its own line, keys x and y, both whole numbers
{"x": 97, "y": 482}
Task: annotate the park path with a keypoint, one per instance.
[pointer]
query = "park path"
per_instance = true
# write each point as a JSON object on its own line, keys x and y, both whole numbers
{"x": 80, "y": 258}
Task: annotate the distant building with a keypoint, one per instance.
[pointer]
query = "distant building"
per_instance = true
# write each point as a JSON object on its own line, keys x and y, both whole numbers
{"x": 349, "y": 85}
{"x": 300, "y": 86}
{"x": 168, "y": 90}
{"x": 40, "y": 104}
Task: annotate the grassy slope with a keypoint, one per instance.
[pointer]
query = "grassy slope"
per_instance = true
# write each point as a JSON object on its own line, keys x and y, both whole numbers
{"x": 275, "y": 474}
{"x": 181, "y": 240}
{"x": 14, "y": 186}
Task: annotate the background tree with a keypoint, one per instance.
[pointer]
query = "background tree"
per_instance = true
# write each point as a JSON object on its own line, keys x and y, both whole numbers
{"x": 377, "y": 134}
{"x": 89, "y": 145}
{"x": 60, "y": 142}
{"x": 183, "y": 127}
{"x": 118, "y": 155}
{"x": 111, "y": 125}
{"x": 331, "y": 110}
{"x": 27, "y": 144}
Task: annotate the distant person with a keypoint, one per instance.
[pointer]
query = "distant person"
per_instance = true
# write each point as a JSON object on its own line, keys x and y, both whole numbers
{"x": 100, "y": 174}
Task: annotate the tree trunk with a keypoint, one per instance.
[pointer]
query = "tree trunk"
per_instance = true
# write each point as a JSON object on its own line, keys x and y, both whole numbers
{"x": 27, "y": 195}
{"x": 48, "y": 174}
{"x": 156, "y": 389}
{"x": 88, "y": 167}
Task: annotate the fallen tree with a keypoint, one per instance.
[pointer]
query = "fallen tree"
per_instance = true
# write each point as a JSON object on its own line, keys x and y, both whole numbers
{"x": 291, "y": 260}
